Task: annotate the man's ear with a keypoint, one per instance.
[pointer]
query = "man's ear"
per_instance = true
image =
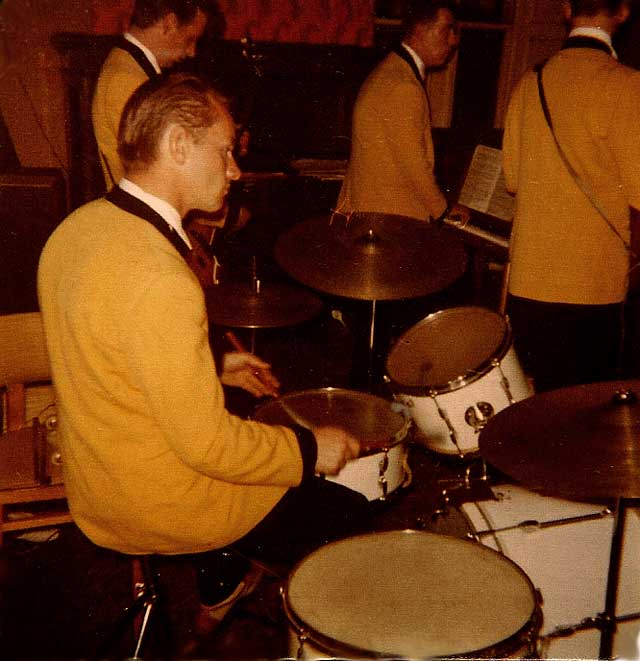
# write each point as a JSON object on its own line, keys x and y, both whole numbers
{"x": 177, "y": 143}
{"x": 622, "y": 14}
{"x": 170, "y": 23}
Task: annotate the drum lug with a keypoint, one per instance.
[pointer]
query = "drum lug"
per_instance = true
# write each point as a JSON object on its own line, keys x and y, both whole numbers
{"x": 382, "y": 479}
{"x": 504, "y": 382}
{"x": 443, "y": 414}
{"x": 301, "y": 634}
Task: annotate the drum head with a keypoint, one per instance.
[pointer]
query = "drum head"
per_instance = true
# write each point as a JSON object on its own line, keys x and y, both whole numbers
{"x": 448, "y": 349}
{"x": 369, "y": 418}
{"x": 409, "y": 594}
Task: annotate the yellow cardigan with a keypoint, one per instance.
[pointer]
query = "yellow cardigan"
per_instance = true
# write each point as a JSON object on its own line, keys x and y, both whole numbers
{"x": 152, "y": 460}
{"x": 119, "y": 78}
{"x": 562, "y": 251}
{"x": 391, "y": 164}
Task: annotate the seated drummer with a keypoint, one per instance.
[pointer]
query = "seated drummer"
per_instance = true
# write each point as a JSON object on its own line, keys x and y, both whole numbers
{"x": 153, "y": 462}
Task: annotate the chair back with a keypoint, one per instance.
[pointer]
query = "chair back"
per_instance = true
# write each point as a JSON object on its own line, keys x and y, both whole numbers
{"x": 25, "y": 372}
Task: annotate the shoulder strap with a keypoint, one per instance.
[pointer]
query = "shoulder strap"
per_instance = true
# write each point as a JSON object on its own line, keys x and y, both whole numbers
{"x": 580, "y": 182}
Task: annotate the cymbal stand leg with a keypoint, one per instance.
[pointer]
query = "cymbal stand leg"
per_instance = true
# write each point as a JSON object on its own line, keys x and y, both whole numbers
{"x": 608, "y": 617}
{"x": 252, "y": 346}
{"x": 372, "y": 337}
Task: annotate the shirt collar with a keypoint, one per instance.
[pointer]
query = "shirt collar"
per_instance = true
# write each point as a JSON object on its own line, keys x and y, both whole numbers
{"x": 168, "y": 212}
{"x": 416, "y": 58}
{"x": 595, "y": 33}
{"x": 150, "y": 56}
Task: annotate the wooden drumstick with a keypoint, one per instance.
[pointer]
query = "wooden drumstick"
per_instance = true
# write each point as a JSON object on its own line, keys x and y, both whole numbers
{"x": 231, "y": 337}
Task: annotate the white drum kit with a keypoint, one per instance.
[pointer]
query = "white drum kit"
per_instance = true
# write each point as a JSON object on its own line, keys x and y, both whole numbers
{"x": 541, "y": 576}
{"x": 453, "y": 371}
{"x": 506, "y": 592}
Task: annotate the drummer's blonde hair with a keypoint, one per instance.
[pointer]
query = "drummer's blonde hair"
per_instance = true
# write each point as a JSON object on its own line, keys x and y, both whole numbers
{"x": 187, "y": 100}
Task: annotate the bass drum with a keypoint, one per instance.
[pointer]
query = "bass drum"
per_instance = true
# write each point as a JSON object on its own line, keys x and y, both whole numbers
{"x": 564, "y": 547}
{"x": 454, "y": 370}
{"x": 382, "y": 465}
{"x": 409, "y": 595}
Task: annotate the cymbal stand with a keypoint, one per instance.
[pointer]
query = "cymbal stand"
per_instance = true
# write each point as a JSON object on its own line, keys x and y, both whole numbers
{"x": 256, "y": 285}
{"x": 465, "y": 487}
{"x": 607, "y": 620}
{"x": 372, "y": 336}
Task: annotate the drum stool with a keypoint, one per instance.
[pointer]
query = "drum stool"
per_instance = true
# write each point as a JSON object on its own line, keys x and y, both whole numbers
{"x": 148, "y": 608}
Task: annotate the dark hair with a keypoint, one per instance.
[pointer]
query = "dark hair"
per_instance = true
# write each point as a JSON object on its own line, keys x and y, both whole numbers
{"x": 148, "y": 12}
{"x": 184, "y": 99}
{"x": 593, "y": 7}
{"x": 424, "y": 11}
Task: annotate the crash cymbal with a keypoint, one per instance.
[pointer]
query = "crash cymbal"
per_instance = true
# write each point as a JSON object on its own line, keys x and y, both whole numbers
{"x": 371, "y": 256}
{"x": 260, "y": 304}
{"x": 581, "y": 442}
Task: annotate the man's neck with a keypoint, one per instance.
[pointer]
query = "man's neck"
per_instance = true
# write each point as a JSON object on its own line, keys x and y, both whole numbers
{"x": 149, "y": 38}
{"x": 602, "y": 22}
{"x": 156, "y": 186}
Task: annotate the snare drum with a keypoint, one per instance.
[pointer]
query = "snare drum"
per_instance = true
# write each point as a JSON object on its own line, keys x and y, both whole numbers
{"x": 454, "y": 370}
{"x": 409, "y": 594}
{"x": 381, "y": 467}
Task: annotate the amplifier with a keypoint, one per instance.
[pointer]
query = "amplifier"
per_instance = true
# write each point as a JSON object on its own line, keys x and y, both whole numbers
{"x": 33, "y": 201}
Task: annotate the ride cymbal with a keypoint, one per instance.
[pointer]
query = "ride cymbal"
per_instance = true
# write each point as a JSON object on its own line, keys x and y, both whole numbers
{"x": 371, "y": 256}
{"x": 581, "y": 442}
{"x": 269, "y": 305}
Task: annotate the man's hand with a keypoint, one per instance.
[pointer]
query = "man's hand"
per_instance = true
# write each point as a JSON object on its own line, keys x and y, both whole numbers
{"x": 244, "y": 370}
{"x": 335, "y": 448}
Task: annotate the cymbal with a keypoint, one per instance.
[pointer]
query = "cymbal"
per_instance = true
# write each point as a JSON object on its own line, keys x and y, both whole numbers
{"x": 371, "y": 256}
{"x": 579, "y": 442}
{"x": 269, "y": 305}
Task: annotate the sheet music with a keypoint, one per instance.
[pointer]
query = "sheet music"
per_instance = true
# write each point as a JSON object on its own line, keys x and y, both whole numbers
{"x": 484, "y": 188}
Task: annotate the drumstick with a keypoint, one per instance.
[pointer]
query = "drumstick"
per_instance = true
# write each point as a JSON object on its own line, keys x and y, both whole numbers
{"x": 231, "y": 337}
{"x": 234, "y": 341}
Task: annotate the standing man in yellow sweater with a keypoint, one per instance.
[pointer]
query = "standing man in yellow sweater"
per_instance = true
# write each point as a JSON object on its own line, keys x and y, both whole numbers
{"x": 161, "y": 33}
{"x": 391, "y": 166}
{"x": 153, "y": 462}
{"x": 569, "y": 256}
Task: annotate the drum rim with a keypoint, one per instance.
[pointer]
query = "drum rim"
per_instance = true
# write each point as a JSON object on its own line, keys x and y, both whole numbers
{"x": 462, "y": 380}
{"x": 339, "y": 648}
{"x": 394, "y": 439}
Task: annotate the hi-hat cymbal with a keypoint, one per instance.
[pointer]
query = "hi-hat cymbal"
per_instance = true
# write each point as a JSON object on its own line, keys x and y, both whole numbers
{"x": 271, "y": 305}
{"x": 580, "y": 442}
{"x": 371, "y": 256}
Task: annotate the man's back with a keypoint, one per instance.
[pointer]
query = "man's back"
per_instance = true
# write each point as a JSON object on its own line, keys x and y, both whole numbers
{"x": 138, "y": 395}
{"x": 121, "y": 75}
{"x": 562, "y": 250}
{"x": 391, "y": 164}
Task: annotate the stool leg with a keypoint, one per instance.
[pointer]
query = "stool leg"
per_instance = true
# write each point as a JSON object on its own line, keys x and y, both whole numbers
{"x": 147, "y": 598}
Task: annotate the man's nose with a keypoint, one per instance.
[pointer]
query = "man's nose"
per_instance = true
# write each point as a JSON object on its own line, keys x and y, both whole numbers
{"x": 233, "y": 171}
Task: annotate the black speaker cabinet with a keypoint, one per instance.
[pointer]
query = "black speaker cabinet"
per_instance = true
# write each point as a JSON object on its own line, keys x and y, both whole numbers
{"x": 33, "y": 201}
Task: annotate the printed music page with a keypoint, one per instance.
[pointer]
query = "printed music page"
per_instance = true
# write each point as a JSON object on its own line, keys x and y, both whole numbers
{"x": 484, "y": 187}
